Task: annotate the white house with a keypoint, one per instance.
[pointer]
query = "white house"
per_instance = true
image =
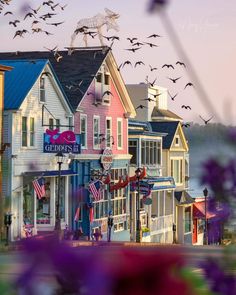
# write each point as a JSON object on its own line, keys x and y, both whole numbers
{"x": 34, "y": 101}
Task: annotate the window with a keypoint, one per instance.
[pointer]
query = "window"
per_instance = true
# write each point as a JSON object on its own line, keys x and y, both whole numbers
{"x": 150, "y": 152}
{"x": 83, "y": 131}
{"x": 70, "y": 123}
{"x": 187, "y": 220}
{"x": 119, "y": 133}
{"x": 42, "y": 89}
{"x": 58, "y": 124}
{"x": 133, "y": 151}
{"x": 177, "y": 140}
{"x": 102, "y": 85}
{"x": 108, "y": 132}
{"x": 99, "y": 77}
{"x": 177, "y": 170}
{"x": 51, "y": 124}
{"x": 24, "y": 131}
{"x": 32, "y": 132}
{"x": 96, "y": 132}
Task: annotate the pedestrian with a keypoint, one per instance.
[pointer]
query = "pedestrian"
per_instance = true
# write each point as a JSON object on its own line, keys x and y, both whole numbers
{"x": 97, "y": 235}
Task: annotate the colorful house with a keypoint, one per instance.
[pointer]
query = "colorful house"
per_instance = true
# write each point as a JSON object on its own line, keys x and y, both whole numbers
{"x": 157, "y": 211}
{"x": 3, "y": 145}
{"x": 101, "y": 107}
{"x": 34, "y": 102}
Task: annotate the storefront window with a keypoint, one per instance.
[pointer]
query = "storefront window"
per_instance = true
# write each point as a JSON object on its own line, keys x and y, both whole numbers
{"x": 187, "y": 219}
{"x": 28, "y": 204}
{"x": 62, "y": 196}
{"x": 43, "y": 206}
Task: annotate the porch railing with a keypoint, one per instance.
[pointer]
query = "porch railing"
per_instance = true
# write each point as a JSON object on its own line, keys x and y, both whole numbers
{"x": 161, "y": 224}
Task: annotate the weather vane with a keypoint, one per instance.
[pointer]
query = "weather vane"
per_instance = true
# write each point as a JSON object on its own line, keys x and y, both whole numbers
{"x": 96, "y": 23}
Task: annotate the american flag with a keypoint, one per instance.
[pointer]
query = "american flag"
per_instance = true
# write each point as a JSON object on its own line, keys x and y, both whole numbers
{"x": 39, "y": 187}
{"x": 96, "y": 189}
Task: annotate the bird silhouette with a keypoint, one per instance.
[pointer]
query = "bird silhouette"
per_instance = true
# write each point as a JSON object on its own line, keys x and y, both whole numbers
{"x": 107, "y": 93}
{"x": 35, "y": 22}
{"x": 137, "y": 44}
{"x": 54, "y": 6}
{"x": 133, "y": 49}
{"x": 35, "y": 10}
{"x": 186, "y": 125}
{"x": 188, "y": 84}
{"x": 8, "y": 12}
{"x": 53, "y": 49}
{"x": 47, "y": 74}
{"x": 47, "y": 33}
{"x": 156, "y": 95}
{"x": 48, "y": 3}
{"x": 127, "y": 62}
{"x": 172, "y": 97}
{"x": 168, "y": 66}
{"x": 141, "y": 107}
{"x": 29, "y": 14}
{"x": 131, "y": 40}
{"x": 206, "y": 121}
{"x": 112, "y": 38}
{"x": 37, "y": 30}
{"x": 20, "y": 33}
{"x": 180, "y": 63}
{"x": 152, "y": 69}
{"x": 151, "y": 83}
{"x": 55, "y": 24}
{"x": 154, "y": 36}
{"x": 14, "y": 23}
{"x": 151, "y": 44}
{"x": 118, "y": 69}
{"x": 173, "y": 80}
{"x": 139, "y": 63}
{"x": 186, "y": 107}
{"x": 148, "y": 99}
{"x": 63, "y": 7}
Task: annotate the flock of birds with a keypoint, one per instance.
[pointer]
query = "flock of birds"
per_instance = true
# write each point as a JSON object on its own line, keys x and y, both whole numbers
{"x": 52, "y": 9}
{"x": 48, "y": 8}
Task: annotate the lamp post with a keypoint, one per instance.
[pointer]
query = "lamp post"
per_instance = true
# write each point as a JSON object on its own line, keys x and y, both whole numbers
{"x": 205, "y": 193}
{"x": 138, "y": 227}
{"x": 60, "y": 157}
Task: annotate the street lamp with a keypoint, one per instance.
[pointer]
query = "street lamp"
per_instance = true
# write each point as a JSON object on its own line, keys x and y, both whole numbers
{"x": 60, "y": 158}
{"x": 138, "y": 226}
{"x": 205, "y": 193}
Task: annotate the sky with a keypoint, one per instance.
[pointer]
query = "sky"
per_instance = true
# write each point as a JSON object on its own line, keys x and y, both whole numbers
{"x": 205, "y": 28}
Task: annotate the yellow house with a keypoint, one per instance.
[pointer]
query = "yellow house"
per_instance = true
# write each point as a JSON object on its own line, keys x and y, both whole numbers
{"x": 3, "y": 69}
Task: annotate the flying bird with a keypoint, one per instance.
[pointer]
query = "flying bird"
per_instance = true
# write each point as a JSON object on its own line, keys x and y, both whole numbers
{"x": 133, "y": 49}
{"x": 48, "y": 3}
{"x": 53, "y": 49}
{"x": 37, "y": 30}
{"x": 47, "y": 33}
{"x": 127, "y": 62}
{"x": 180, "y": 63}
{"x": 173, "y": 80}
{"x": 188, "y": 84}
{"x": 137, "y": 44}
{"x": 172, "y": 97}
{"x": 139, "y": 63}
{"x": 151, "y": 83}
{"x": 132, "y": 39}
{"x": 14, "y": 23}
{"x": 151, "y": 44}
{"x": 63, "y": 7}
{"x": 112, "y": 38}
{"x": 35, "y": 10}
{"x": 205, "y": 121}
{"x": 29, "y": 14}
{"x": 46, "y": 74}
{"x": 8, "y": 12}
{"x": 186, "y": 125}
{"x": 152, "y": 69}
{"x": 148, "y": 99}
{"x": 156, "y": 95}
{"x": 154, "y": 36}
{"x": 118, "y": 69}
{"x": 54, "y": 6}
{"x": 168, "y": 66}
{"x": 55, "y": 24}
{"x": 186, "y": 107}
{"x": 140, "y": 107}
{"x": 35, "y": 22}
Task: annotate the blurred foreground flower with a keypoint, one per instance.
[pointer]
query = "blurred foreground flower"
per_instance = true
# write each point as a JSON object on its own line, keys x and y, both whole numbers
{"x": 157, "y": 5}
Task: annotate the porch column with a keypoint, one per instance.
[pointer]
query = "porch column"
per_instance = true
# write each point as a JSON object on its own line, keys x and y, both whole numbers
{"x": 133, "y": 216}
{"x": 164, "y": 214}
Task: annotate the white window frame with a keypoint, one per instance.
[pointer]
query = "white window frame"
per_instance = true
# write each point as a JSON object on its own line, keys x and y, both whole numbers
{"x": 42, "y": 90}
{"x": 119, "y": 147}
{"x": 27, "y": 140}
{"x": 108, "y": 136}
{"x": 101, "y": 87}
{"x": 31, "y": 132}
{"x": 98, "y": 146}
{"x": 180, "y": 160}
{"x": 177, "y": 137}
{"x": 84, "y": 116}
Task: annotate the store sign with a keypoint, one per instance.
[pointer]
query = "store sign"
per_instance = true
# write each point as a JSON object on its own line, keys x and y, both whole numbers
{"x": 107, "y": 159}
{"x": 65, "y": 142}
{"x": 144, "y": 187}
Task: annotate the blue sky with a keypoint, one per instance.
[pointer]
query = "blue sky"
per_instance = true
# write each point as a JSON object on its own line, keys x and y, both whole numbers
{"x": 206, "y": 29}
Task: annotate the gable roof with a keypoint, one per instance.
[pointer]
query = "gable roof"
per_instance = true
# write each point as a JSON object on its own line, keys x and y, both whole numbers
{"x": 183, "y": 198}
{"x": 81, "y": 65}
{"x": 168, "y": 127}
{"x": 20, "y": 80}
{"x": 161, "y": 114}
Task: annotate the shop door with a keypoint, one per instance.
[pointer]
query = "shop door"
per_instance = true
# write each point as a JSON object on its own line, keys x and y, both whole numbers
{"x": 195, "y": 229}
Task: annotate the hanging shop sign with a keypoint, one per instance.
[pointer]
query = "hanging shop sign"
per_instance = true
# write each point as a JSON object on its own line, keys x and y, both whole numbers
{"x": 147, "y": 201}
{"x": 144, "y": 187}
{"x": 65, "y": 142}
{"x": 107, "y": 159}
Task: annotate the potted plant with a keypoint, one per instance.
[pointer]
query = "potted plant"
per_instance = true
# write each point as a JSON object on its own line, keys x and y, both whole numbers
{"x": 145, "y": 231}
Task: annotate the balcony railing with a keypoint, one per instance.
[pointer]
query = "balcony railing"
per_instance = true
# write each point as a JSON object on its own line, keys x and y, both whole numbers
{"x": 161, "y": 224}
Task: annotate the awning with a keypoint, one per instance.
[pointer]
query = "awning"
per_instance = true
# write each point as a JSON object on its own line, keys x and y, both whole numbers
{"x": 50, "y": 173}
{"x": 183, "y": 198}
{"x": 161, "y": 183}
{"x": 199, "y": 211}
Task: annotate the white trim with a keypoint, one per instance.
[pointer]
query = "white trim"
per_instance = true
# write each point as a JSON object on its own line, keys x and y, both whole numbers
{"x": 110, "y": 119}
{"x": 117, "y": 135}
{"x": 96, "y": 117}
{"x": 97, "y": 157}
{"x": 178, "y": 159}
{"x": 177, "y": 137}
{"x": 84, "y": 116}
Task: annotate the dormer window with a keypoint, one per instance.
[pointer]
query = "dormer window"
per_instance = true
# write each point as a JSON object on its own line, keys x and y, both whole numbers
{"x": 177, "y": 140}
{"x": 102, "y": 84}
{"x": 42, "y": 89}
